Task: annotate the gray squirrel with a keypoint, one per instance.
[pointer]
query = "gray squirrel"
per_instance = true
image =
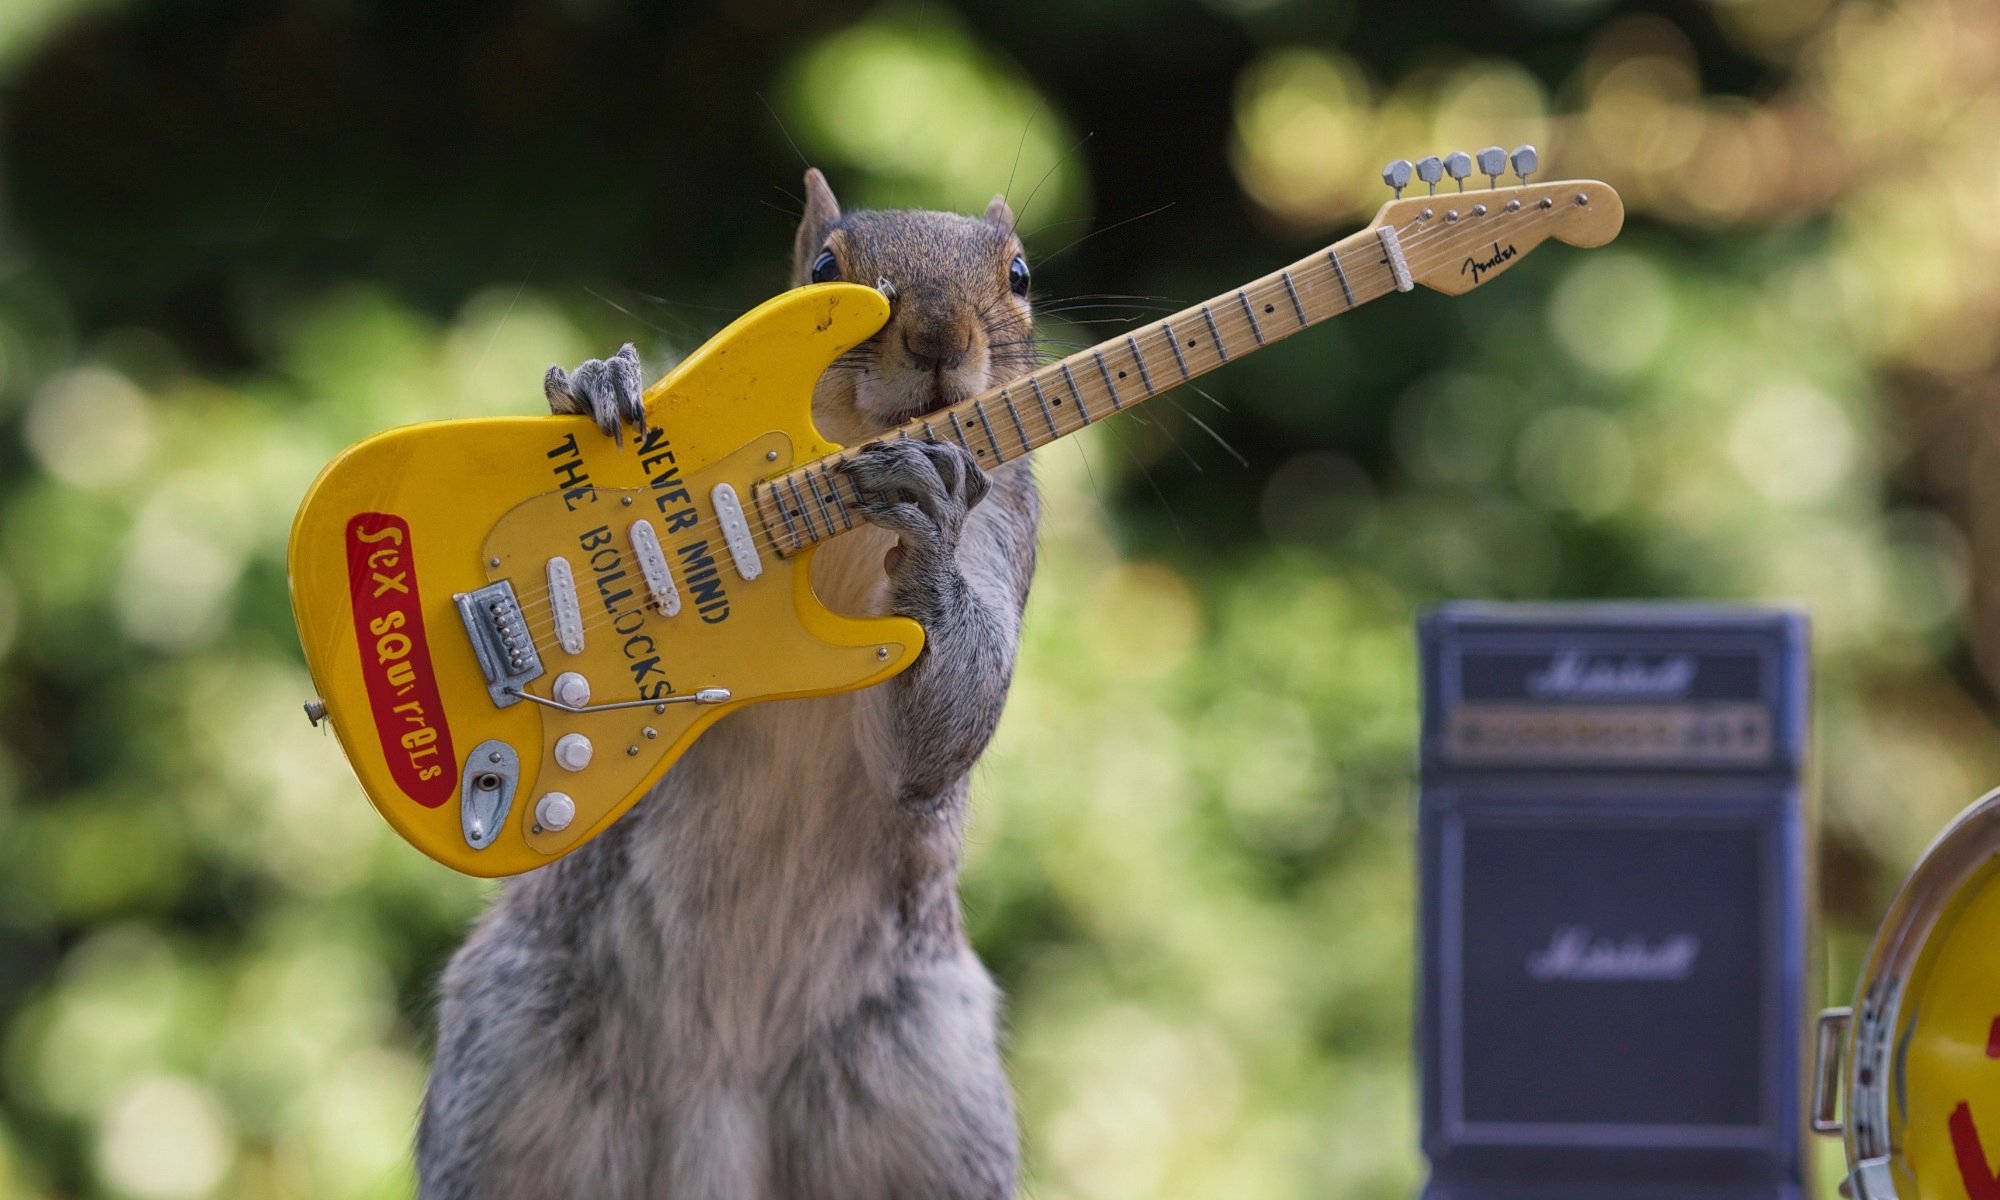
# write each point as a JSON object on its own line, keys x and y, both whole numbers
{"x": 756, "y": 985}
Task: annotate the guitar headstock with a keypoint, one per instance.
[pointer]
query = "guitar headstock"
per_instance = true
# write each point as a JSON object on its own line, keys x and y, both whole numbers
{"x": 1456, "y": 239}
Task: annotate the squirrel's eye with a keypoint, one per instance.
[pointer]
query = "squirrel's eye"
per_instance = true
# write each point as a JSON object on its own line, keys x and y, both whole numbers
{"x": 826, "y": 269}
{"x": 1017, "y": 276}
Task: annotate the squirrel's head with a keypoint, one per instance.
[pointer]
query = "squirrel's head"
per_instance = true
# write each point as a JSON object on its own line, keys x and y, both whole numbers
{"x": 959, "y": 316}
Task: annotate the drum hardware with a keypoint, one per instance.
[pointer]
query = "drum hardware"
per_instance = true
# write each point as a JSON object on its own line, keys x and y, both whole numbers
{"x": 1918, "y": 1051}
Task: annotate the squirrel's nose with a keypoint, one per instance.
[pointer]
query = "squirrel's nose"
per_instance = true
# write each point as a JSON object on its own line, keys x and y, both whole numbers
{"x": 934, "y": 348}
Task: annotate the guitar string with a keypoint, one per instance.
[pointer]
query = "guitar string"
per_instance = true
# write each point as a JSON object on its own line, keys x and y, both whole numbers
{"x": 1414, "y": 248}
{"x": 1314, "y": 275}
{"x": 1455, "y": 236}
{"x": 1420, "y": 256}
{"x": 1230, "y": 317}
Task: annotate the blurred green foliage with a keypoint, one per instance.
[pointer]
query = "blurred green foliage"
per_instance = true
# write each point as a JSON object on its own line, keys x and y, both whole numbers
{"x": 237, "y": 236}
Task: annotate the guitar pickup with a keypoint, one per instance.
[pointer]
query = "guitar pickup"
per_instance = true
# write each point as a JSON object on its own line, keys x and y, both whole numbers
{"x": 653, "y": 566}
{"x": 500, "y": 640}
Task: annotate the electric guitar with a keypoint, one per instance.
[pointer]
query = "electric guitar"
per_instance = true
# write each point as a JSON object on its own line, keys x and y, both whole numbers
{"x": 516, "y": 627}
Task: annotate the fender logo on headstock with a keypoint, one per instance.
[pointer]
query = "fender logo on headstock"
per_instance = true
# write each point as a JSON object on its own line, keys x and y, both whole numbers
{"x": 396, "y": 658}
{"x": 1478, "y": 267}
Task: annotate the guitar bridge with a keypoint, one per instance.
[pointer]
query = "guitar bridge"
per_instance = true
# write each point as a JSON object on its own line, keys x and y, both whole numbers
{"x": 500, "y": 640}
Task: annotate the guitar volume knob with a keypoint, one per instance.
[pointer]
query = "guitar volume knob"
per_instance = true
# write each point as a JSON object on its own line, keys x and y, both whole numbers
{"x": 554, "y": 811}
{"x": 573, "y": 751}
{"x": 572, "y": 689}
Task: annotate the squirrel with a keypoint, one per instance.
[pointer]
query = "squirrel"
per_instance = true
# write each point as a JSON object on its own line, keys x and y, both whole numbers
{"x": 757, "y": 984}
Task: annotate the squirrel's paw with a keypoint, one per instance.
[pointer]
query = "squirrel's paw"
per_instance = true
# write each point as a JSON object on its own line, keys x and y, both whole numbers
{"x": 607, "y": 390}
{"x": 921, "y": 490}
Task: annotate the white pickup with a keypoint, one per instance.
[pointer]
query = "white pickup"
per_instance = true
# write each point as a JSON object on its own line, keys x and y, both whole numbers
{"x": 563, "y": 606}
{"x": 653, "y": 567}
{"x": 736, "y": 531}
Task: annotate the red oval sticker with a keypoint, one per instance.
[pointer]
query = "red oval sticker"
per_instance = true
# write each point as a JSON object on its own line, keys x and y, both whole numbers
{"x": 396, "y": 660}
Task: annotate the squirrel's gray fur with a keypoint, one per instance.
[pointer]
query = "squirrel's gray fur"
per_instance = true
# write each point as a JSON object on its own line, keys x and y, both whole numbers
{"x": 756, "y": 984}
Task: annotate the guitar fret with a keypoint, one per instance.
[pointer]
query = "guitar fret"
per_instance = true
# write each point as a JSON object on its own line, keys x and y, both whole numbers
{"x": 1048, "y": 414}
{"x": 1252, "y": 314}
{"x": 1297, "y": 306}
{"x": 1140, "y": 360}
{"x": 778, "y": 502}
{"x": 824, "y": 515}
{"x": 1340, "y": 273}
{"x": 1109, "y": 386}
{"x": 853, "y": 488}
{"x": 1215, "y": 333}
{"x": 833, "y": 486}
{"x": 841, "y": 479}
{"x": 930, "y": 435}
{"x": 1082, "y": 410}
{"x": 1014, "y": 411}
{"x": 805, "y": 514}
{"x": 1174, "y": 344}
{"x": 998, "y": 454}
{"x": 958, "y": 430}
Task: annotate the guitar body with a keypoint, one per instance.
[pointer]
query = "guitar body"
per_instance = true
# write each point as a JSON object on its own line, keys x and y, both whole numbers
{"x": 402, "y": 525}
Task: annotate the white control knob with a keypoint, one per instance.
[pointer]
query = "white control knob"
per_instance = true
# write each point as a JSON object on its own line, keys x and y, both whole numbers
{"x": 573, "y": 752}
{"x": 555, "y": 811}
{"x": 572, "y": 689}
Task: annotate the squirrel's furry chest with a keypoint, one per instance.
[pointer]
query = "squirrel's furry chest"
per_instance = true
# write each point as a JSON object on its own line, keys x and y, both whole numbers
{"x": 753, "y": 895}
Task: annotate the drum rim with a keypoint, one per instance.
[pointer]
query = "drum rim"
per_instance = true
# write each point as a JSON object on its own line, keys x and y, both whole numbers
{"x": 1967, "y": 847}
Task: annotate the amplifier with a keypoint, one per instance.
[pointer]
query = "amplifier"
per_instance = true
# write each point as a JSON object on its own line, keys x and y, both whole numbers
{"x": 1612, "y": 846}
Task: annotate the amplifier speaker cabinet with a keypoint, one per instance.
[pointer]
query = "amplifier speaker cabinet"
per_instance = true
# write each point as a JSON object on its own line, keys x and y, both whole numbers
{"x": 1613, "y": 916}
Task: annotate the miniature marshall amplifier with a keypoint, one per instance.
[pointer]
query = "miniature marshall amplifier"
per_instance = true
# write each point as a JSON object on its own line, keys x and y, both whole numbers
{"x": 1613, "y": 901}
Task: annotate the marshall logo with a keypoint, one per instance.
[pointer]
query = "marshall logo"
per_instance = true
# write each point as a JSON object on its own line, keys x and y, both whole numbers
{"x": 1574, "y": 675}
{"x": 1574, "y": 955}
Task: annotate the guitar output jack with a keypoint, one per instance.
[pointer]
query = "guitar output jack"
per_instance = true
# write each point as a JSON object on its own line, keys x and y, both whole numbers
{"x": 486, "y": 794}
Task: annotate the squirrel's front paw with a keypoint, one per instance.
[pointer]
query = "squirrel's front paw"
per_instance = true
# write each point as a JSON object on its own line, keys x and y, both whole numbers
{"x": 607, "y": 390}
{"x": 922, "y": 490}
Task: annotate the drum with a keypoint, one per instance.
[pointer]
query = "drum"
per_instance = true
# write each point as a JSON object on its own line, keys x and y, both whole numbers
{"x": 1919, "y": 1051}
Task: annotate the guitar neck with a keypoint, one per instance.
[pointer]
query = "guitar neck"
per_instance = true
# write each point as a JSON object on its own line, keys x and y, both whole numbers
{"x": 814, "y": 501}
{"x": 1451, "y": 243}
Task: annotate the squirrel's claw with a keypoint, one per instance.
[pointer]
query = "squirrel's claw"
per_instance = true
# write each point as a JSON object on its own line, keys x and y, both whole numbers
{"x": 607, "y": 390}
{"x": 921, "y": 490}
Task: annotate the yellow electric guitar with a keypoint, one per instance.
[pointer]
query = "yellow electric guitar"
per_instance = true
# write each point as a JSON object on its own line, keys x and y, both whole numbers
{"x": 515, "y": 627}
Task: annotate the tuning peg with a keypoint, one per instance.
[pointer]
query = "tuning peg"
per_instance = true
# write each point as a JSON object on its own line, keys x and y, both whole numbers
{"x": 1458, "y": 165}
{"x": 1524, "y": 162}
{"x": 1431, "y": 169}
{"x": 1493, "y": 164}
{"x": 1397, "y": 175}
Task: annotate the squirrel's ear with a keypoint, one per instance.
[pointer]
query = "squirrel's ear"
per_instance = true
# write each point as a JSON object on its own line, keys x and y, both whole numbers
{"x": 997, "y": 213}
{"x": 822, "y": 210}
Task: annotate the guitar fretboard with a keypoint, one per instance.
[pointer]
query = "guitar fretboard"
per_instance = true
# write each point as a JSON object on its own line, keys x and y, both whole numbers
{"x": 815, "y": 501}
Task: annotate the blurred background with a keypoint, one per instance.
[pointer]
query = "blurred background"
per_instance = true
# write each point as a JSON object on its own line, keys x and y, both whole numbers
{"x": 235, "y": 236}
